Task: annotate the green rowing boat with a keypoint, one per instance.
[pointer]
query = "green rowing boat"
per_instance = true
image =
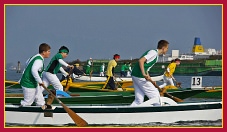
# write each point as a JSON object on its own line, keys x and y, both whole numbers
{"x": 101, "y": 97}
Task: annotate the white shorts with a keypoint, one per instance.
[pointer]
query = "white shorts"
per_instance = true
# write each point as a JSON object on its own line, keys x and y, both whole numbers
{"x": 33, "y": 95}
{"x": 143, "y": 87}
{"x": 167, "y": 80}
{"x": 49, "y": 78}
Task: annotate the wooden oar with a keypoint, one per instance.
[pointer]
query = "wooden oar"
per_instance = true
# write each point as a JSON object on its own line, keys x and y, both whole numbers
{"x": 70, "y": 72}
{"x": 104, "y": 86}
{"x": 66, "y": 88}
{"x": 80, "y": 122}
{"x": 120, "y": 78}
{"x": 119, "y": 84}
{"x": 11, "y": 85}
{"x": 91, "y": 74}
{"x": 168, "y": 95}
{"x": 66, "y": 85}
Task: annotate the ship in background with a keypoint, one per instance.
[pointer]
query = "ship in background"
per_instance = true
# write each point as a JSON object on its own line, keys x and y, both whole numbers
{"x": 198, "y": 52}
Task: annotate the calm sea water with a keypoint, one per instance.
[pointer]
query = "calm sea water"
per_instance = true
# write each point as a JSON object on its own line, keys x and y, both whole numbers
{"x": 186, "y": 83}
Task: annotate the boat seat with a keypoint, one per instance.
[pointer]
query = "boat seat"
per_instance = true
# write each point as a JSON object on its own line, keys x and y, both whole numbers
{"x": 164, "y": 101}
{"x": 60, "y": 93}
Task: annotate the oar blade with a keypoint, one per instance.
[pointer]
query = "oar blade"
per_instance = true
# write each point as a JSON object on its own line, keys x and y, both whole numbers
{"x": 80, "y": 122}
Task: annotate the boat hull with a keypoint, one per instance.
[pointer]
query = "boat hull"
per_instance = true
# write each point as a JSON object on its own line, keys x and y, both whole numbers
{"x": 88, "y": 78}
{"x": 101, "y": 97}
{"x": 95, "y": 115}
{"x": 97, "y": 87}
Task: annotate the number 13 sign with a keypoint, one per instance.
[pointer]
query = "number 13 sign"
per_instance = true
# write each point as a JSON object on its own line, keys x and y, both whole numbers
{"x": 196, "y": 82}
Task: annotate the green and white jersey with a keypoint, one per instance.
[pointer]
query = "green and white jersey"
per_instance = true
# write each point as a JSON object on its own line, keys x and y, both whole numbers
{"x": 54, "y": 65}
{"x": 89, "y": 63}
{"x": 28, "y": 80}
{"x": 152, "y": 58}
{"x": 102, "y": 67}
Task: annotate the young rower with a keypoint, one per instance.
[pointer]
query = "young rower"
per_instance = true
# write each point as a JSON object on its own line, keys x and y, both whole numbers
{"x": 168, "y": 75}
{"x": 110, "y": 72}
{"x": 31, "y": 81}
{"x": 143, "y": 84}
{"x": 55, "y": 65}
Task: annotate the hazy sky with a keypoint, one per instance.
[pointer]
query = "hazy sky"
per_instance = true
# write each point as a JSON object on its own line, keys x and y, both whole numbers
{"x": 101, "y": 31}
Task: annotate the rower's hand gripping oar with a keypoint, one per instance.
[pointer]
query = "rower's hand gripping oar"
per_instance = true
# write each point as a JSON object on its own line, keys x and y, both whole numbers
{"x": 178, "y": 84}
{"x": 80, "y": 122}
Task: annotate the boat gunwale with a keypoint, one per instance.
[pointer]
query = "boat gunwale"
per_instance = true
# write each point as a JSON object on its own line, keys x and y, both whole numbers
{"x": 120, "y": 109}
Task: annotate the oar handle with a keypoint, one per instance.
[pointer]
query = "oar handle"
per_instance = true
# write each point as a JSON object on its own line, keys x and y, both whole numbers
{"x": 90, "y": 74}
{"x": 156, "y": 85}
{"x": 70, "y": 72}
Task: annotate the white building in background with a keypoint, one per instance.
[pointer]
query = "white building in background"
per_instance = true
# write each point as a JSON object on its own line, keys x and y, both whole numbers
{"x": 211, "y": 51}
{"x": 175, "y": 54}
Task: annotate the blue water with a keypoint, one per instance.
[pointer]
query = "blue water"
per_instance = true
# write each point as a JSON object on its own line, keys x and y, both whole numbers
{"x": 186, "y": 83}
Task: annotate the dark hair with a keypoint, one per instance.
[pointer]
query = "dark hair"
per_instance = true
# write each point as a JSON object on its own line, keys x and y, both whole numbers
{"x": 174, "y": 60}
{"x": 177, "y": 59}
{"x": 43, "y": 47}
{"x": 63, "y": 48}
{"x": 116, "y": 56}
{"x": 162, "y": 43}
